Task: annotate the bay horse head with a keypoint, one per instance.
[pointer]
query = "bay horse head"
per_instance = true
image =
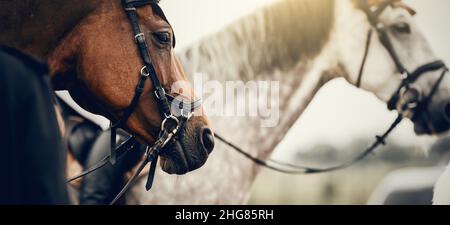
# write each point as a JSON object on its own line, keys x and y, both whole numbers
{"x": 106, "y": 63}
{"x": 411, "y": 79}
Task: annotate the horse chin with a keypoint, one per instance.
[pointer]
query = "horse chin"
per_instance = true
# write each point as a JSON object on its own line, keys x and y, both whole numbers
{"x": 173, "y": 159}
{"x": 187, "y": 152}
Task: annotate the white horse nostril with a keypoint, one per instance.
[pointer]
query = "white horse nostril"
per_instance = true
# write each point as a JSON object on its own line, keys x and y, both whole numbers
{"x": 447, "y": 112}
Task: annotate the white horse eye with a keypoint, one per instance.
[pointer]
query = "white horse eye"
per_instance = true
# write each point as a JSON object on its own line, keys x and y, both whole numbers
{"x": 401, "y": 28}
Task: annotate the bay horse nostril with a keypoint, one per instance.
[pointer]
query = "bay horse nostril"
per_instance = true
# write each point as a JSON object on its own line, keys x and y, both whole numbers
{"x": 207, "y": 139}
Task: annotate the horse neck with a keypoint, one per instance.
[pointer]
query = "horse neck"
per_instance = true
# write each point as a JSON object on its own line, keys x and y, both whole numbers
{"x": 36, "y": 27}
{"x": 264, "y": 47}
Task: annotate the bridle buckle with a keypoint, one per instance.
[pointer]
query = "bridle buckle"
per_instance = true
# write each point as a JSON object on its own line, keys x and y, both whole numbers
{"x": 139, "y": 38}
{"x": 163, "y": 92}
{"x": 165, "y": 122}
{"x": 145, "y": 72}
{"x": 130, "y": 9}
{"x": 186, "y": 113}
{"x": 404, "y": 75}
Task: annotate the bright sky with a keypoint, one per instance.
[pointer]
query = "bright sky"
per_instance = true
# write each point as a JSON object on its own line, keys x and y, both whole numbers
{"x": 340, "y": 113}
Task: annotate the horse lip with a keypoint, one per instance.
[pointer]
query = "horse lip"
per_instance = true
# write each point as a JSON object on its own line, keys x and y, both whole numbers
{"x": 175, "y": 159}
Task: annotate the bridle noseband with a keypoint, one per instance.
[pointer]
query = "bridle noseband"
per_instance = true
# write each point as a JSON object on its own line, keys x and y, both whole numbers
{"x": 171, "y": 124}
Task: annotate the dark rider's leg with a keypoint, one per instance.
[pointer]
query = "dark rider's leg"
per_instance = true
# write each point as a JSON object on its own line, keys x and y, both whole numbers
{"x": 32, "y": 162}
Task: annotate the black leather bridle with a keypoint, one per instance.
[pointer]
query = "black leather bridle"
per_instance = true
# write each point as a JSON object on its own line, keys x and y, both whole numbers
{"x": 171, "y": 123}
{"x": 418, "y": 105}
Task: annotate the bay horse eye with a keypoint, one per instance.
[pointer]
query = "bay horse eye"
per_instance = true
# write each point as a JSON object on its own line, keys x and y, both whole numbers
{"x": 401, "y": 28}
{"x": 162, "y": 37}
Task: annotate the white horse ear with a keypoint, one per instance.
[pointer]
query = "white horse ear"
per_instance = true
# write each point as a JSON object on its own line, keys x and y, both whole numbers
{"x": 396, "y": 3}
{"x": 374, "y": 2}
{"x": 405, "y": 6}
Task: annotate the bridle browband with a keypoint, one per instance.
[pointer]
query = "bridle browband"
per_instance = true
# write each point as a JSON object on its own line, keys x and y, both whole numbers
{"x": 171, "y": 123}
{"x": 419, "y": 105}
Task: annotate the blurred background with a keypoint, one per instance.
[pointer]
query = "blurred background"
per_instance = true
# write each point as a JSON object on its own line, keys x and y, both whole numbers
{"x": 340, "y": 121}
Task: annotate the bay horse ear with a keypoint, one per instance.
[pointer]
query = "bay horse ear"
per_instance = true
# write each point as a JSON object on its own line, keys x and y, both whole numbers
{"x": 161, "y": 13}
{"x": 396, "y": 3}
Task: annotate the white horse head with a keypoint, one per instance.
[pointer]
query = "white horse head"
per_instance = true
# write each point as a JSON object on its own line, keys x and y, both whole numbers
{"x": 396, "y": 44}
